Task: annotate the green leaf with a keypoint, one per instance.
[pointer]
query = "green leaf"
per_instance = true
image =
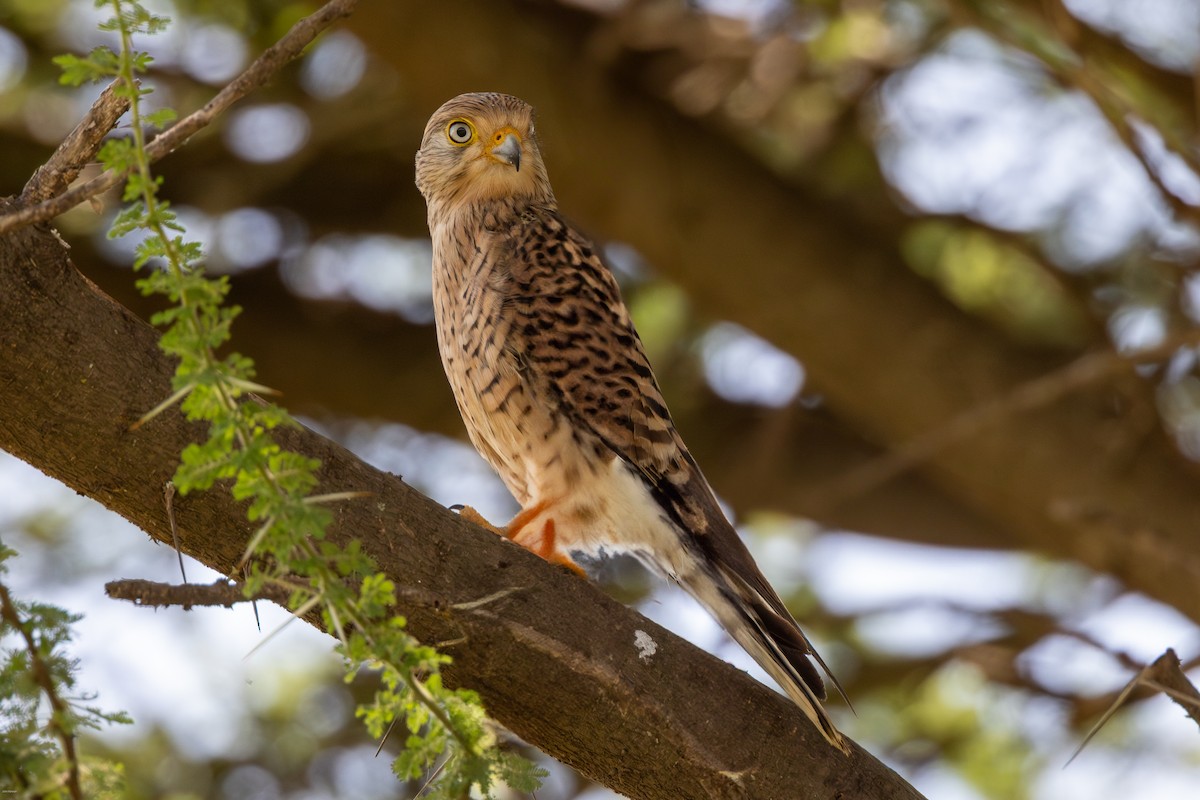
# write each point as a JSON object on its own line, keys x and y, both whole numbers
{"x": 420, "y": 754}
{"x": 29, "y": 674}
{"x": 141, "y": 63}
{"x": 519, "y": 773}
{"x": 99, "y": 64}
{"x": 75, "y": 70}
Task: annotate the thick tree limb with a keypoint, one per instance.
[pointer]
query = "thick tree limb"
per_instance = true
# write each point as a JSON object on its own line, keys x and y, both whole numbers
{"x": 554, "y": 659}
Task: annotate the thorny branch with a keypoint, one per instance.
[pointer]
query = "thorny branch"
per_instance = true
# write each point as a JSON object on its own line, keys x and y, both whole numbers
{"x": 258, "y": 73}
{"x": 1166, "y": 675}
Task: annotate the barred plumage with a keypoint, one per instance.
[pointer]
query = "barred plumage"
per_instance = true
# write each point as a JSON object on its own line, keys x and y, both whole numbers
{"x": 557, "y": 393}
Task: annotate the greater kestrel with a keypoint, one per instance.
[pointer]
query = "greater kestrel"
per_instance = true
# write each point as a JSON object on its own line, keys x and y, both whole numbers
{"x": 558, "y": 396}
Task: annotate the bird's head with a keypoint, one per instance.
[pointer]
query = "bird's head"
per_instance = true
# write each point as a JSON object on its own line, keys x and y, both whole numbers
{"x": 480, "y": 147}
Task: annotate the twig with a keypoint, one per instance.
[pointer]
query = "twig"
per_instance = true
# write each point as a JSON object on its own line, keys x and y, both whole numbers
{"x": 257, "y": 74}
{"x": 1112, "y": 709}
{"x": 1164, "y": 675}
{"x": 41, "y": 674}
{"x": 1039, "y": 392}
{"x": 169, "y": 501}
{"x": 77, "y": 150}
{"x": 1127, "y": 661}
{"x": 154, "y": 594}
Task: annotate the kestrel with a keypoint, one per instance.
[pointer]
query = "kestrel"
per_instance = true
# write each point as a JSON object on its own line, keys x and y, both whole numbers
{"x": 557, "y": 393}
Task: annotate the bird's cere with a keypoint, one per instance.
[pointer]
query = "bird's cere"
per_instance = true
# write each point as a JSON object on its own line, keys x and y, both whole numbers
{"x": 509, "y": 151}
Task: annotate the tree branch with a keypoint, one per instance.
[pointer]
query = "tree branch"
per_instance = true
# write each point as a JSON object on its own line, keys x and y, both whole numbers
{"x": 258, "y": 73}
{"x": 73, "y": 154}
{"x": 188, "y": 595}
{"x": 555, "y": 662}
{"x": 1087, "y": 370}
{"x": 1167, "y": 676}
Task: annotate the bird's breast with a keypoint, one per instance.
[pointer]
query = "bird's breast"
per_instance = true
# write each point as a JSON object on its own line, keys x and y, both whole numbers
{"x": 510, "y": 419}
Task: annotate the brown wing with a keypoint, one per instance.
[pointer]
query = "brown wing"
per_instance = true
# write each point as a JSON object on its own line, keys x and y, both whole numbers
{"x": 572, "y": 330}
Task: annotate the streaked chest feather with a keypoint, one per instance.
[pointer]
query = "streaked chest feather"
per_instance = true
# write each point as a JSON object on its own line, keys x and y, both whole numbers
{"x": 511, "y": 419}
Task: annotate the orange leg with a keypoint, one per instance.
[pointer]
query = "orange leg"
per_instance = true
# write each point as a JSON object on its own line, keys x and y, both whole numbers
{"x": 544, "y": 545}
{"x": 547, "y": 548}
{"x": 517, "y": 523}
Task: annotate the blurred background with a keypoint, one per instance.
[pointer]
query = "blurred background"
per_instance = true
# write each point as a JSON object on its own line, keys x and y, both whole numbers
{"x": 894, "y": 262}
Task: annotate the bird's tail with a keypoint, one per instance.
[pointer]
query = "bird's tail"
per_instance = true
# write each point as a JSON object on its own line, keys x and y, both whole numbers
{"x": 755, "y": 617}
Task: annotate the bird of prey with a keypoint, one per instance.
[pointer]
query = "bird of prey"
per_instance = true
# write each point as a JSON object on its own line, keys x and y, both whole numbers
{"x": 558, "y": 396}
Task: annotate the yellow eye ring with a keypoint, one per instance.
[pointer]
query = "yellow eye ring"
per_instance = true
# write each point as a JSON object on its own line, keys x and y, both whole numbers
{"x": 460, "y": 132}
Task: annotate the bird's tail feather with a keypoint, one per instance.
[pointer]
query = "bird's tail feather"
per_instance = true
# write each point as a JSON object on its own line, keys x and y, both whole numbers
{"x": 773, "y": 639}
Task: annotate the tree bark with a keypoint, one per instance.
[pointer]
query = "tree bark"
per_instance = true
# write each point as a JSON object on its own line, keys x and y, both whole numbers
{"x": 554, "y": 659}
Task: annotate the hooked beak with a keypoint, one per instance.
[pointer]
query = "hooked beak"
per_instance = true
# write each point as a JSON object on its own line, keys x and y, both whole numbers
{"x": 509, "y": 151}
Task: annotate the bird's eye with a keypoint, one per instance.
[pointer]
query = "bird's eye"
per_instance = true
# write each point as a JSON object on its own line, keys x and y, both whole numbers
{"x": 460, "y": 132}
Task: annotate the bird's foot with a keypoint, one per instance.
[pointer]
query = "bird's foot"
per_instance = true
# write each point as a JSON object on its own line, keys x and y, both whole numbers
{"x": 471, "y": 515}
{"x": 543, "y": 543}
